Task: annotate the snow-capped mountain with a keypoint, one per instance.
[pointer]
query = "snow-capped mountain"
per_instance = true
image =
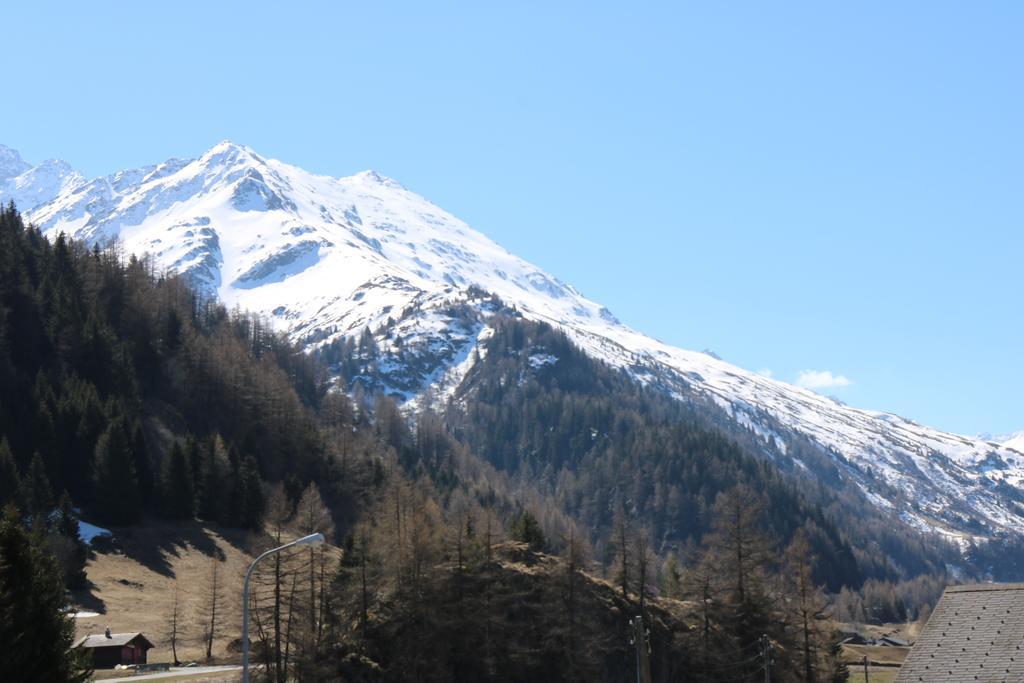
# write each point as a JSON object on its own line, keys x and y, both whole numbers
{"x": 29, "y": 185}
{"x": 11, "y": 163}
{"x": 325, "y": 257}
{"x": 1015, "y": 442}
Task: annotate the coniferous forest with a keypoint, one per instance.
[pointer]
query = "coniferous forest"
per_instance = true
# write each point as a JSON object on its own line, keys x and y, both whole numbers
{"x": 509, "y": 534}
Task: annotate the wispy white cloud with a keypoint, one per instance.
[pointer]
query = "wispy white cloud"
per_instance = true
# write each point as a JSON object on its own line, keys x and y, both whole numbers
{"x": 766, "y": 372}
{"x": 821, "y": 379}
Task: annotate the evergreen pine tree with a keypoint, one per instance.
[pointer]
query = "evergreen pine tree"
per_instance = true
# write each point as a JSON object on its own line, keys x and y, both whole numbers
{"x": 231, "y": 514}
{"x": 210, "y": 494}
{"x": 143, "y": 466}
{"x": 68, "y": 547}
{"x": 194, "y": 457}
{"x": 354, "y": 583}
{"x": 116, "y": 485}
{"x": 44, "y": 441}
{"x": 838, "y": 672}
{"x": 96, "y": 354}
{"x": 672, "y": 578}
{"x": 172, "y": 332}
{"x": 251, "y": 500}
{"x": 36, "y": 629}
{"x": 176, "y": 486}
{"x": 81, "y": 420}
{"x": 36, "y": 493}
{"x": 526, "y": 529}
{"x": 10, "y": 481}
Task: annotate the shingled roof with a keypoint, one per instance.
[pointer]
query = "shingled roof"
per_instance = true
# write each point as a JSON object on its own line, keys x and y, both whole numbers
{"x": 114, "y": 639}
{"x": 976, "y": 633}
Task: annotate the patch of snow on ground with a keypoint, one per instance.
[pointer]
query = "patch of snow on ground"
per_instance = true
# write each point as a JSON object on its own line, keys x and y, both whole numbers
{"x": 445, "y": 382}
{"x": 539, "y": 360}
{"x": 766, "y": 434}
{"x": 875, "y": 498}
{"x": 89, "y": 532}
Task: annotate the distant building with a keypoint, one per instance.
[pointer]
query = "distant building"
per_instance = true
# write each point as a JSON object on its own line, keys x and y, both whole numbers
{"x": 975, "y": 633}
{"x": 889, "y": 641}
{"x": 110, "y": 649}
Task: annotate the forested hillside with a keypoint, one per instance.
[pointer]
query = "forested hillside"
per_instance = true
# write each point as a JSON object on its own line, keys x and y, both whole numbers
{"x": 586, "y": 442}
{"x": 361, "y": 267}
{"x": 114, "y": 376}
{"x": 597, "y": 442}
{"x": 126, "y": 397}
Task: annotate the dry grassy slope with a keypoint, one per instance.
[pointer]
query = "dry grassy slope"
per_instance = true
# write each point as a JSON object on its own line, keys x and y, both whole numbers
{"x": 885, "y": 662}
{"x": 881, "y": 656}
{"x": 133, "y": 584}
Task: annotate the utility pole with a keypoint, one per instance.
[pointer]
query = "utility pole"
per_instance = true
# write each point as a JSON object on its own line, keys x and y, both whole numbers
{"x": 766, "y": 657}
{"x": 641, "y": 639}
{"x": 865, "y": 669}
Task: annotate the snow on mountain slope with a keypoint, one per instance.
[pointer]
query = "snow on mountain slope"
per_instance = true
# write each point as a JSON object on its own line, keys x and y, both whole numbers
{"x": 29, "y": 186}
{"x": 328, "y": 257}
{"x": 11, "y": 163}
{"x": 1015, "y": 442}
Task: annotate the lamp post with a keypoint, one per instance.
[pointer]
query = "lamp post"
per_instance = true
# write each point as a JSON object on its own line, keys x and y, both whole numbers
{"x": 312, "y": 539}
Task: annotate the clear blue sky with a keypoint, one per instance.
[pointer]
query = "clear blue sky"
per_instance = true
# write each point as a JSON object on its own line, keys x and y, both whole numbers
{"x": 799, "y": 186}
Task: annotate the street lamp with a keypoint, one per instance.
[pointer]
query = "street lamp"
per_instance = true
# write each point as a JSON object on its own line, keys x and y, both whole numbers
{"x": 312, "y": 539}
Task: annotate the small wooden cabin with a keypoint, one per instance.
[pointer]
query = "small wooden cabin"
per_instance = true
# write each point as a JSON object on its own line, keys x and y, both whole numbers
{"x": 110, "y": 649}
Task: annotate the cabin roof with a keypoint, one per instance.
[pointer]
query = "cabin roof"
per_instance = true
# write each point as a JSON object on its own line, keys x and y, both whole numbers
{"x": 975, "y": 633}
{"x": 115, "y": 640}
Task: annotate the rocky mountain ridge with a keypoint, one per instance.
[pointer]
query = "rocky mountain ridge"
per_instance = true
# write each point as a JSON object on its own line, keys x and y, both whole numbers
{"x": 325, "y": 259}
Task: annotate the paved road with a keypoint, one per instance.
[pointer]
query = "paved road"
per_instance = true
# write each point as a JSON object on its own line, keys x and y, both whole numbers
{"x": 176, "y": 671}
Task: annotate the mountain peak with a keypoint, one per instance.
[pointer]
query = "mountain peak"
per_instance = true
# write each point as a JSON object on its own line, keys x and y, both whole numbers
{"x": 226, "y": 144}
{"x": 230, "y": 153}
{"x": 326, "y": 257}
{"x": 55, "y": 165}
{"x": 30, "y": 186}
{"x": 1015, "y": 442}
{"x": 371, "y": 176}
{"x": 11, "y": 163}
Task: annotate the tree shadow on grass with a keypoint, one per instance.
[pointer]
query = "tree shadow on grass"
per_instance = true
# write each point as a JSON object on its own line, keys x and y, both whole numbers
{"x": 155, "y": 545}
{"x": 85, "y": 599}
